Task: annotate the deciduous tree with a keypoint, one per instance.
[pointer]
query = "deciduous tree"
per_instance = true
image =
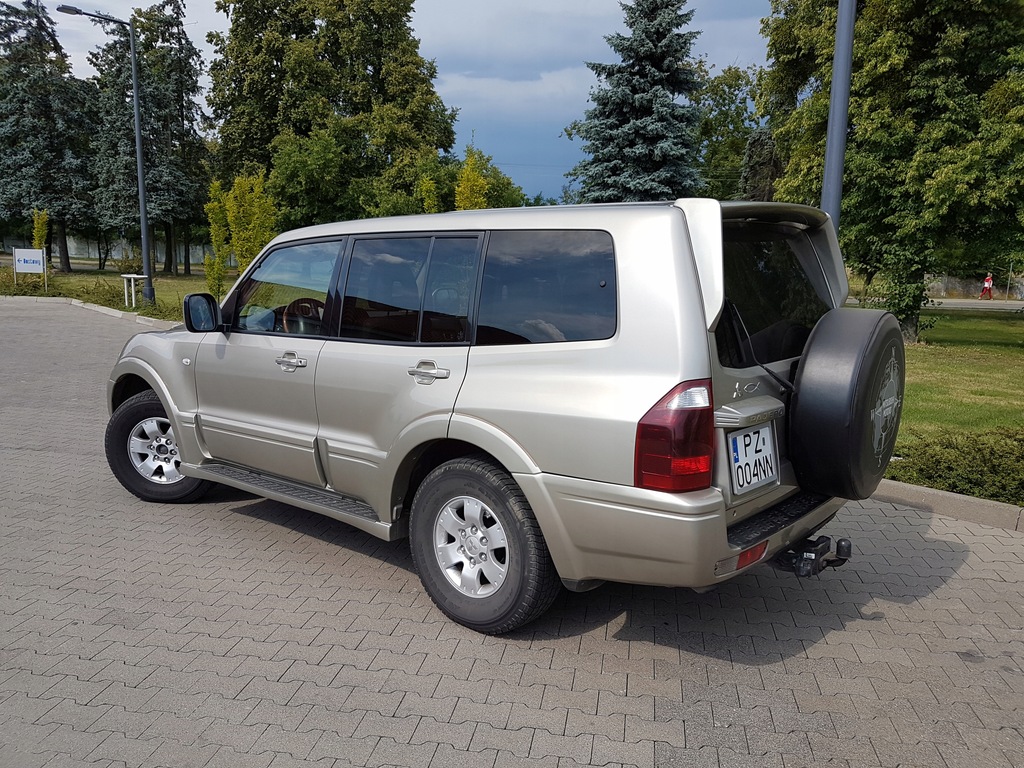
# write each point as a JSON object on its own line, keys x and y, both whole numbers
{"x": 933, "y": 168}
{"x": 335, "y": 99}
{"x": 727, "y": 119}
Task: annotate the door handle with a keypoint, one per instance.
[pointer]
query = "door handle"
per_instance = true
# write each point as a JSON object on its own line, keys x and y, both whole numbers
{"x": 426, "y": 371}
{"x": 289, "y": 361}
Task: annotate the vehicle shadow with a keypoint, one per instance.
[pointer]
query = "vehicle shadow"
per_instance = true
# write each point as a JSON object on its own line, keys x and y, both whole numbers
{"x": 761, "y": 617}
{"x": 900, "y": 563}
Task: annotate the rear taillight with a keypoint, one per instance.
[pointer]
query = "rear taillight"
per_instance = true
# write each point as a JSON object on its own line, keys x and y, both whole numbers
{"x": 675, "y": 440}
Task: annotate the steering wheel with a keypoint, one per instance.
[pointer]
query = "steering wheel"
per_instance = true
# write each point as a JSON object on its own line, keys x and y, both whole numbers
{"x": 303, "y": 316}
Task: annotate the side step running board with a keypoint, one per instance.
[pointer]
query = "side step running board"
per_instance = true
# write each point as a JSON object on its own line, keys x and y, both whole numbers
{"x": 342, "y": 508}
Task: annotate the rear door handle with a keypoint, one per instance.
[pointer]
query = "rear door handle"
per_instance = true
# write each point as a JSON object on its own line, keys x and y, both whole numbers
{"x": 289, "y": 361}
{"x": 426, "y": 371}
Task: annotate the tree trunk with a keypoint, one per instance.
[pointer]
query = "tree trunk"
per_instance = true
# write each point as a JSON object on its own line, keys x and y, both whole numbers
{"x": 168, "y": 248}
{"x": 154, "y": 252}
{"x": 187, "y": 237}
{"x": 61, "y": 241}
{"x": 104, "y": 245}
{"x": 910, "y": 327}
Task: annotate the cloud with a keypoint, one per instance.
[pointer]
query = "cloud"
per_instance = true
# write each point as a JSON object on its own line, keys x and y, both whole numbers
{"x": 554, "y": 96}
{"x": 527, "y": 36}
{"x": 516, "y": 71}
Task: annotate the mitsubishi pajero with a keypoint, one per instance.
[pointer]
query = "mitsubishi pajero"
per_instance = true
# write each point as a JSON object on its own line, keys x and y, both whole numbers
{"x": 655, "y": 393}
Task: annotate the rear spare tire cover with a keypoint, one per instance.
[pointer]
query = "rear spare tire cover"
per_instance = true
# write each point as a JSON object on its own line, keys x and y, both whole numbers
{"x": 849, "y": 397}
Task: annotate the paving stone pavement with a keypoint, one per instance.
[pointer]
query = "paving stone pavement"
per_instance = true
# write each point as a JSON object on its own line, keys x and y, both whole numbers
{"x": 241, "y": 632}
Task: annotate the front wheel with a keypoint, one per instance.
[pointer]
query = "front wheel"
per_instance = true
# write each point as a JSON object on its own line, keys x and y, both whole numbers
{"x": 143, "y": 454}
{"x": 478, "y": 548}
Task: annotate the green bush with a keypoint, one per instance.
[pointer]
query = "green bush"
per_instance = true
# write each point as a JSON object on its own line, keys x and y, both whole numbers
{"x": 988, "y": 464}
{"x": 130, "y": 261}
{"x": 27, "y": 285}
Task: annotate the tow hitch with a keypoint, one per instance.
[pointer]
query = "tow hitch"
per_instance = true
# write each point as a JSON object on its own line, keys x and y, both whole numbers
{"x": 812, "y": 556}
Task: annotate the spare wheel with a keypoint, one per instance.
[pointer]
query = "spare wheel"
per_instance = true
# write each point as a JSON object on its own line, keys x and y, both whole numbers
{"x": 846, "y": 409}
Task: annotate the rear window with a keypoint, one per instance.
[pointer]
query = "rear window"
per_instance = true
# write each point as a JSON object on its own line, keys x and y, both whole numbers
{"x": 771, "y": 304}
{"x": 547, "y": 286}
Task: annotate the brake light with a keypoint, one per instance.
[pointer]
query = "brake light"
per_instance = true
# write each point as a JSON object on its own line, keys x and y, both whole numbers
{"x": 675, "y": 440}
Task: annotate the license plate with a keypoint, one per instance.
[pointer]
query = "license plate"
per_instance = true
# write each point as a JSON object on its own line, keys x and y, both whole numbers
{"x": 754, "y": 460}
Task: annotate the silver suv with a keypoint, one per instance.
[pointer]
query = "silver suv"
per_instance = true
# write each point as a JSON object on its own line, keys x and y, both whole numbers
{"x": 662, "y": 393}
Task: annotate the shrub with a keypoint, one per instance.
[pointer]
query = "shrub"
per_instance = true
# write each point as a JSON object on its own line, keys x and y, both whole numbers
{"x": 987, "y": 464}
{"x": 40, "y": 226}
{"x": 129, "y": 262}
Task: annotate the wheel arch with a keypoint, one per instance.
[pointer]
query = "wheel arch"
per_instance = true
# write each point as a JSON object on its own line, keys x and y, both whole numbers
{"x": 466, "y": 436}
{"x": 124, "y": 387}
{"x": 132, "y": 376}
{"x": 426, "y": 457}
{"x": 421, "y": 461}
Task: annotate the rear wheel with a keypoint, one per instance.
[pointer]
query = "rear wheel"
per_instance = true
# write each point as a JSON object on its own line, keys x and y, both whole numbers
{"x": 478, "y": 548}
{"x": 143, "y": 453}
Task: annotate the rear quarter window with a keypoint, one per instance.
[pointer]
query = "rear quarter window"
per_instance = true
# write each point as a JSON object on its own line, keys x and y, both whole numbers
{"x": 547, "y": 286}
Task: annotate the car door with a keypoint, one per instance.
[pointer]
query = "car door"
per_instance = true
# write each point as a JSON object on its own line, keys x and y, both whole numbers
{"x": 390, "y": 381}
{"x": 254, "y": 383}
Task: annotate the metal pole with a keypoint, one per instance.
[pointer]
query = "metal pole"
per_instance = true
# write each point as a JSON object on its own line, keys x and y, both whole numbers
{"x": 148, "y": 294}
{"x": 838, "y": 111}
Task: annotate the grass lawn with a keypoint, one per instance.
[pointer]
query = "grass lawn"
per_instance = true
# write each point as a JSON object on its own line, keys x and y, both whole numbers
{"x": 963, "y": 414}
{"x": 967, "y": 373}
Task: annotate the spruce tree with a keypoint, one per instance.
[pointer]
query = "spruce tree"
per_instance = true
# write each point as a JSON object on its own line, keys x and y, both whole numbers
{"x": 174, "y": 152}
{"x": 45, "y": 126}
{"x": 641, "y": 132}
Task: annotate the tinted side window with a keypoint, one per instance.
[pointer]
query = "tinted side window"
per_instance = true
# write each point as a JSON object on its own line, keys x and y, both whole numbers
{"x": 287, "y": 291}
{"x": 451, "y": 280}
{"x": 383, "y": 293}
{"x": 768, "y": 295}
{"x": 410, "y": 288}
{"x": 546, "y": 286}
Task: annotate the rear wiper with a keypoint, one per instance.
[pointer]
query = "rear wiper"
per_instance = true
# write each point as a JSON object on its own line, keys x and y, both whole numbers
{"x": 786, "y": 385}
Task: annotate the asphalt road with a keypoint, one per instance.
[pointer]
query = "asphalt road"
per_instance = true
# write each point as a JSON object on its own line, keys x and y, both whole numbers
{"x": 242, "y": 632}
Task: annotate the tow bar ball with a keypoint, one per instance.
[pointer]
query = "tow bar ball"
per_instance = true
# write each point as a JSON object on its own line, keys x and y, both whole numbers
{"x": 811, "y": 556}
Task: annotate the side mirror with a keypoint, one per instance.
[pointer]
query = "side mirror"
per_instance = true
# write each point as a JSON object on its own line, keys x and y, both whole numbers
{"x": 202, "y": 313}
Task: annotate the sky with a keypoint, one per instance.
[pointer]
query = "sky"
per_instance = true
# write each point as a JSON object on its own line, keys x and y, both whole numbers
{"x": 516, "y": 71}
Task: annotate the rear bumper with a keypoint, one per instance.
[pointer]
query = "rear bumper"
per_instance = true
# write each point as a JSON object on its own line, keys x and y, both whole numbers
{"x": 603, "y": 532}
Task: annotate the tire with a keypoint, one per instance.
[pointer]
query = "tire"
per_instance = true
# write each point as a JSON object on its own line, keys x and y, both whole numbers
{"x": 478, "y": 548}
{"x": 849, "y": 397}
{"x": 143, "y": 454}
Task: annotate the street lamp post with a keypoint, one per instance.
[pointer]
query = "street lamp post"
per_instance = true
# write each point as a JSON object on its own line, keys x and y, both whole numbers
{"x": 838, "y": 111}
{"x": 148, "y": 294}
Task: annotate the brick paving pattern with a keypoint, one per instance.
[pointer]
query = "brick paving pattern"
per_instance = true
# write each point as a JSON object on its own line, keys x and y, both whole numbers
{"x": 242, "y": 632}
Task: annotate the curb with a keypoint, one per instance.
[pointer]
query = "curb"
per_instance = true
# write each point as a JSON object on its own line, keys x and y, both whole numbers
{"x": 153, "y": 322}
{"x": 965, "y": 508}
